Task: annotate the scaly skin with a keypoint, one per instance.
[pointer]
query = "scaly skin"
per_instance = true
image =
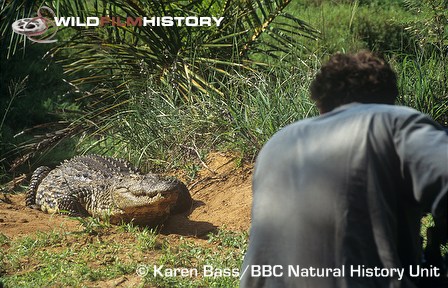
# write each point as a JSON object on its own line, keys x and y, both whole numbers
{"x": 107, "y": 188}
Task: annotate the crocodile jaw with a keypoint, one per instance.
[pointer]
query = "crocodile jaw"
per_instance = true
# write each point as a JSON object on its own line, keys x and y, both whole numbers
{"x": 144, "y": 200}
{"x": 150, "y": 211}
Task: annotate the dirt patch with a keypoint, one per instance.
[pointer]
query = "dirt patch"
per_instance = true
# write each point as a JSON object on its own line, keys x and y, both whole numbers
{"x": 18, "y": 220}
{"x": 123, "y": 281}
{"x": 221, "y": 193}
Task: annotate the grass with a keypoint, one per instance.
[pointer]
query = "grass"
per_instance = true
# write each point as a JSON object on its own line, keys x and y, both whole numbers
{"x": 55, "y": 259}
{"x": 348, "y": 26}
{"x": 214, "y": 265}
{"x": 56, "y": 265}
{"x": 159, "y": 130}
{"x": 109, "y": 253}
{"x": 156, "y": 131}
{"x": 423, "y": 85}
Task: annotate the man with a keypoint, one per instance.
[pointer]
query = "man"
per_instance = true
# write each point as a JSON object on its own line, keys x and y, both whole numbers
{"x": 338, "y": 199}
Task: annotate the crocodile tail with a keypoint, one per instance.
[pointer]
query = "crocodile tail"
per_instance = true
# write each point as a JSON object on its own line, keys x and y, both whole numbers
{"x": 36, "y": 178}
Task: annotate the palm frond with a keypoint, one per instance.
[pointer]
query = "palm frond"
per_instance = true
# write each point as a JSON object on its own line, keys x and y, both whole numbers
{"x": 106, "y": 63}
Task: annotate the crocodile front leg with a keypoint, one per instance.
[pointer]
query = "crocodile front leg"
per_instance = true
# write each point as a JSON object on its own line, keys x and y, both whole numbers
{"x": 71, "y": 203}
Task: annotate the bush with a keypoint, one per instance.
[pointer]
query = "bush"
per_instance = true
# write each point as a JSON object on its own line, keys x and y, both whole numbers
{"x": 387, "y": 35}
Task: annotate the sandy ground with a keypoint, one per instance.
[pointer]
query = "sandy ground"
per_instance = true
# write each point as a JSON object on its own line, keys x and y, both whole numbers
{"x": 221, "y": 193}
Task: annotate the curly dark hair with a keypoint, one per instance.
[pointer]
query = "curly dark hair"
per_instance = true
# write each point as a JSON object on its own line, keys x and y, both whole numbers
{"x": 362, "y": 77}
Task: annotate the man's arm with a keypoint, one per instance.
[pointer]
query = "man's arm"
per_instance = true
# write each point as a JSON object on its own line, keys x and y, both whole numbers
{"x": 422, "y": 146}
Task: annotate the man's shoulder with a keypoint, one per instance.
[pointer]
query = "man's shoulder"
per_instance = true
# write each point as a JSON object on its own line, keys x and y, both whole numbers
{"x": 354, "y": 111}
{"x": 389, "y": 115}
{"x": 394, "y": 110}
{"x": 395, "y": 115}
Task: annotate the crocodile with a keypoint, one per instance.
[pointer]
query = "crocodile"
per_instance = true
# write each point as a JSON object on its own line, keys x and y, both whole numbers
{"x": 107, "y": 188}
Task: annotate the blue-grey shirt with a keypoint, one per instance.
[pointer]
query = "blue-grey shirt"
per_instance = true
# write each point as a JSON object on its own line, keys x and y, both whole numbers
{"x": 343, "y": 191}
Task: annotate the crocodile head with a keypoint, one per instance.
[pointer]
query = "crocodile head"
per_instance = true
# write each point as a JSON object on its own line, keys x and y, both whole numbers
{"x": 144, "y": 199}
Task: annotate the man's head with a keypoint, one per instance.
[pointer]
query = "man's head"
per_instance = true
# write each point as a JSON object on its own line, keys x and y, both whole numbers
{"x": 362, "y": 77}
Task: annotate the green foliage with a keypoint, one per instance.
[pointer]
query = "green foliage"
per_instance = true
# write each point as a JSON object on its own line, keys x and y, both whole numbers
{"x": 199, "y": 90}
{"x": 104, "y": 63}
{"x": 34, "y": 101}
{"x": 181, "y": 56}
{"x": 147, "y": 239}
{"x": 371, "y": 3}
{"x": 60, "y": 265}
{"x": 422, "y": 84}
{"x": 92, "y": 225}
{"x": 166, "y": 96}
{"x": 188, "y": 59}
{"x": 427, "y": 222}
{"x": 229, "y": 239}
{"x": 6, "y": 133}
{"x": 75, "y": 259}
{"x": 386, "y": 35}
{"x": 429, "y": 69}
{"x": 227, "y": 255}
{"x": 349, "y": 26}
{"x": 3, "y": 239}
{"x": 155, "y": 127}
{"x": 10, "y": 11}
{"x": 430, "y": 26}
